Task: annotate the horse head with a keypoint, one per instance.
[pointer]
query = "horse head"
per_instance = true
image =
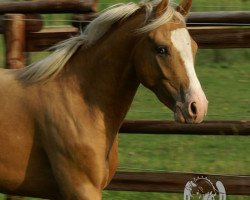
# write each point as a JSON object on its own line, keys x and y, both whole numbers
{"x": 164, "y": 62}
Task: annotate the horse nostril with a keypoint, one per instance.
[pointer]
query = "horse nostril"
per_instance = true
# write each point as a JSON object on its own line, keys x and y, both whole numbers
{"x": 193, "y": 109}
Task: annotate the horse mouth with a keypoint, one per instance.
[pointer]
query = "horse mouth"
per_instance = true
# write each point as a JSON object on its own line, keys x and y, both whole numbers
{"x": 188, "y": 114}
{"x": 178, "y": 115}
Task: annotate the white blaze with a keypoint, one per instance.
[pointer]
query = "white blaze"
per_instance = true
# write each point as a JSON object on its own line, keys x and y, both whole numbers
{"x": 182, "y": 42}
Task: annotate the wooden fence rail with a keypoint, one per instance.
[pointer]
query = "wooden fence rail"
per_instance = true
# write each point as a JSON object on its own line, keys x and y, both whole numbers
{"x": 46, "y": 6}
{"x": 66, "y": 6}
{"x": 218, "y": 18}
{"x": 214, "y": 37}
{"x": 234, "y": 18}
{"x": 33, "y": 22}
{"x": 169, "y": 127}
{"x": 174, "y": 182}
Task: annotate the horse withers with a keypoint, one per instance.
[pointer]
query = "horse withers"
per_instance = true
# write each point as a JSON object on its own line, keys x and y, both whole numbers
{"x": 60, "y": 116}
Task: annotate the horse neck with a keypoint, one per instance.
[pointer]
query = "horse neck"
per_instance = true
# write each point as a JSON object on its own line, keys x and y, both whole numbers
{"x": 106, "y": 74}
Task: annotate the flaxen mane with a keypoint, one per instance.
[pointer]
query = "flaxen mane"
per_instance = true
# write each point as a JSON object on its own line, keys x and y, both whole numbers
{"x": 50, "y": 66}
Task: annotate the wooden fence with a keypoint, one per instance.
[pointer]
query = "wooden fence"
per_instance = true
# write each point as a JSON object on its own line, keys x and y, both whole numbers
{"x": 174, "y": 182}
{"x": 45, "y": 6}
{"x": 223, "y": 32}
{"x": 240, "y": 128}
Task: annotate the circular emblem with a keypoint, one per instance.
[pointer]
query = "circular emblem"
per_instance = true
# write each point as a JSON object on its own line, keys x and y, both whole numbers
{"x": 203, "y": 189}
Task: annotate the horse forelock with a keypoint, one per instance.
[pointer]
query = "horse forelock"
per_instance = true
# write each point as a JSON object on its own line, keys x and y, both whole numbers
{"x": 50, "y": 67}
{"x": 152, "y": 23}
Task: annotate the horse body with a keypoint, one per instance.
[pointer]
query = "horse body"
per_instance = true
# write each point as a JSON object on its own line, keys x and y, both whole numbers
{"x": 67, "y": 130}
{"x": 58, "y": 135}
{"x": 73, "y": 117}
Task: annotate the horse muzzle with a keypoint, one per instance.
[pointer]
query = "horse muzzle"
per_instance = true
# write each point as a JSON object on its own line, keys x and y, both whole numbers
{"x": 192, "y": 108}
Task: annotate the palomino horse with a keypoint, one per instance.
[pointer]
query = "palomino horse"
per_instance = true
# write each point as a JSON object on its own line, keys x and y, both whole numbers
{"x": 60, "y": 116}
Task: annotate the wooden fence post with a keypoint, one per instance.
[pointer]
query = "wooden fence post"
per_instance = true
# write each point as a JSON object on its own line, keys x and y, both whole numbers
{"x": 14, "y": 34}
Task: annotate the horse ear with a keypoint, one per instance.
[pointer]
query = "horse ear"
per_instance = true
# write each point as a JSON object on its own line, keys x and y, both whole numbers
{"x": 184, "y": 7}
{"x": 161, "y": 8}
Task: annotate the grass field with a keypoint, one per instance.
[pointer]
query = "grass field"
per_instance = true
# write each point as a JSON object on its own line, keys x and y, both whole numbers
{"x": 225, "y": 77}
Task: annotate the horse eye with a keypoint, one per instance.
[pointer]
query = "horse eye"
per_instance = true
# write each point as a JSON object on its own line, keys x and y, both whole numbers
{"x": 161, "y": 50}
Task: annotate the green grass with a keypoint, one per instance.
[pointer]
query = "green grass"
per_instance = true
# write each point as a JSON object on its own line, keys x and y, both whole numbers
{"x": 225, "y": 77}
